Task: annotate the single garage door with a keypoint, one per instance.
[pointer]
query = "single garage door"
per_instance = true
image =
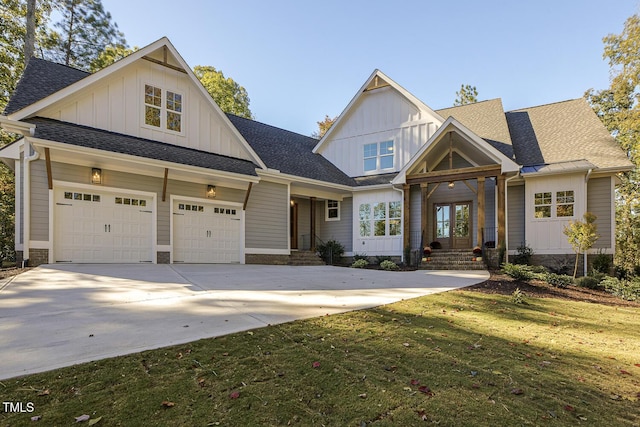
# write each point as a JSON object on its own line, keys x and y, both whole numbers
{"x": 205, "y": 233}
{"x": 102, "y": 227}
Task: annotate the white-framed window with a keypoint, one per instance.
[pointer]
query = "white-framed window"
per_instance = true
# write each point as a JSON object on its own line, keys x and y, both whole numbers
{"x": 162, "y": 108}
{"x": 378, "y": 156}
{"x": 380, "y": 219}
{"x": 332, "y": 210}
{"x": 550, "y": 205}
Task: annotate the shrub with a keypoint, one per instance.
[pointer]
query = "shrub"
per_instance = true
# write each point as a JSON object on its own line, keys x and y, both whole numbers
{"x": 589, "y": 282}
{"x": 356, "y": 257}
{"x": 331, "y": 252}
{"x": 524, "y": 255}
{"x": 625, "y": 289}
{"x": 601, "y": 263}
{"x": 557, "y": 280}
{"x": 518, "y": 271}
{"x": 517, "y": 297}
{"x": 389, "y": 265}
{"x": 382, "y": 258}
{"x": 360, "y": 263}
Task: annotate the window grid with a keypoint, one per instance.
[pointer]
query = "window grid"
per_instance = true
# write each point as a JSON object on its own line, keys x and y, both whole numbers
{"x": 332, "y": 212}
{"x": 378, "y": 156}
{"x": 154, "y": 108}
{"x": 548, "y": 206}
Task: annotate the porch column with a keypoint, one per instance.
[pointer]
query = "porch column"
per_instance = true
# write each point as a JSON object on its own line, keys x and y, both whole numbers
{"x": 406, "y": 217}
{"x": 312, "y": 218}
{"x": 501, "y": 211}
{"x": 481, "y": 208}
{"x": 424, "y": 200}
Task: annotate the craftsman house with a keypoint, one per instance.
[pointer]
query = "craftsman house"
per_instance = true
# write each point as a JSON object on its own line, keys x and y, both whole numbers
{"x": 136, "y": 163}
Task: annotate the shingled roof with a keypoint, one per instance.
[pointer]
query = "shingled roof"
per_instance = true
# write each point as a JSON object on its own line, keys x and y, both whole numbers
{"x": 487, "y": 120}
{"x": 83, "y": 136}
{"x": 562, "y": 132}
{"x": 288, "y": 152}
{"x": 40, "y": 79}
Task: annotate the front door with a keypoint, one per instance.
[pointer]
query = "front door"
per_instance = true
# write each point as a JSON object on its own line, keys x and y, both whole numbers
{"x": 453, "y": 225}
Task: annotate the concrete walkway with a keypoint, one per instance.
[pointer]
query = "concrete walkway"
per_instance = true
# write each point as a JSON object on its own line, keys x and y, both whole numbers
{"x": 60, "y": 315}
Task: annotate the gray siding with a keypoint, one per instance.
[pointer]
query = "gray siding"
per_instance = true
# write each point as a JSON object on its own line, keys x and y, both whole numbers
{"x": 266, "y": 217}
{"x": 82, "y": 174}
{"x": 516, "y": 216}
{"x": 39, "y": 201}
{"x": 342, "y": 230}
{"x": 599, "y": 199}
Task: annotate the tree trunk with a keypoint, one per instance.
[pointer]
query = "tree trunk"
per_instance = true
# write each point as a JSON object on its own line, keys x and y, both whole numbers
{"x": 575, "y": 269}
{"x": 30, "y": 36}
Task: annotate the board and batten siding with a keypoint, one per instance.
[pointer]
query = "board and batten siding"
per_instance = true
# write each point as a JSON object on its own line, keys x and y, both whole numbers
{"x": 379, "y": 115}
{"x": 342, "y": 230}
{"x": 599, "y": 200}
{"x": 116, "y": 104}
{"x": 515, "y": 217}
{"x": 545, "y": 235}
{"x": 266, "y": 220}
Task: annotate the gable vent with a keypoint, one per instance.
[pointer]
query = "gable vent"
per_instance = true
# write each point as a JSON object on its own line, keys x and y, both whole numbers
{"x": 377, "y": 83}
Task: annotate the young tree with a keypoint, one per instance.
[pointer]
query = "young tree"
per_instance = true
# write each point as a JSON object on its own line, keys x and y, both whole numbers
{"x": 619, "y": 110}
{"x": 323, "y": 126}
{"x": 581, "y": 236}
{"x": 466, "y": 95}
{"x": 86, "y": 30}
{"x": 229, "y": 95}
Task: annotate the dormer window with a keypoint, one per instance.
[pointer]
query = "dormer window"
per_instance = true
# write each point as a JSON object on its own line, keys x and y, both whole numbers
{"x": 378, "y": 156}
{"x": 162, "y": 108}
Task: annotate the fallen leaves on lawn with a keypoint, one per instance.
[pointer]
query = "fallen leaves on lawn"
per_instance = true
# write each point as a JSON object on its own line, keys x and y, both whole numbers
{"x": 517, "y": 391}
{"x": 315, "y": 364}
{"x": 82, "y": 418}
{"x": 234, "y": 395}
{"x": 168, "y": 404}
{"x": 426, "y": 390}
{"x": 36, "y": 418}
{"x": 95, "y": 421}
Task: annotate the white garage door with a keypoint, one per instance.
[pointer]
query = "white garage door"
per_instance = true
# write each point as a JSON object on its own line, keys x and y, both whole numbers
{"x": 205, "y": 233}
{"x": 102, "y": 227}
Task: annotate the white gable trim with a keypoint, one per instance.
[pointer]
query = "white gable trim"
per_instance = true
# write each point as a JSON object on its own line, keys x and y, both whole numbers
{"x": 376, "y": 73}
{"x": 34, "y": 108}
{"x": 507, "y": 165}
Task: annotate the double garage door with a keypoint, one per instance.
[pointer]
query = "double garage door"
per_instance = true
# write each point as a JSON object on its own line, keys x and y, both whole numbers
{"x": 94, "y": 226}
{"x": 98, "y": 226}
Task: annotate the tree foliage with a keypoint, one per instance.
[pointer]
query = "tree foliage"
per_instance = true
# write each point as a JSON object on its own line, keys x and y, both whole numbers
{"x": 85, "y": 30}
{"x": 619, "y": 109}
{"x": 227, "y": 93}
{"x": 581, "y": 236}
{"x": 466, "y": 95}
{"x": 110, "y": 55}
{"x": 323, "y": 126}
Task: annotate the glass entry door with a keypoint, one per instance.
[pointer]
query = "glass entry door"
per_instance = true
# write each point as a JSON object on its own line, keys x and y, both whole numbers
{"x": 453, "y": 226}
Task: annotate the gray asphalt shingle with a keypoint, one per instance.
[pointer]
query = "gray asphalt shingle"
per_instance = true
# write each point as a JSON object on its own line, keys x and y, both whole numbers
{"x": 83, "y": 136}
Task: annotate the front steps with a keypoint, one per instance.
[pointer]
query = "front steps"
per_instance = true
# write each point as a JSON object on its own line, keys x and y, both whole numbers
{"x": 452, "y": 259}
{"x": 304, "y": 258}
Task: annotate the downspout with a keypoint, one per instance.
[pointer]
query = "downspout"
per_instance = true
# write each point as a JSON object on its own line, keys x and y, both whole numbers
{"x": 586, "y": 195}
{"x": 401, "y": 191}
{"x": 506, "y": 215}
{"x": 26, "y": 199}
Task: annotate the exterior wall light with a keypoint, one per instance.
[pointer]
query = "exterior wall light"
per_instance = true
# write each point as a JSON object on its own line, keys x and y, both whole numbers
{"x": 211, "y": 191}
{"x": 452, "y": 184}
{"x": 96, "y": 176}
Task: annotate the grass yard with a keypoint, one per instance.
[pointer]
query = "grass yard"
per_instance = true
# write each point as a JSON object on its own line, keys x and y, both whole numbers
{"x": 462, "y": 358}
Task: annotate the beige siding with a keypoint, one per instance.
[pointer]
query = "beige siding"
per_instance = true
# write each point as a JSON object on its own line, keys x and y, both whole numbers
{"x": 266, "y": 217}
{"x": 39, "y": 201}
{"x": 516, "y": 216}
{"x": 342, "y": 230}
{"x": 599, "y": 199}
{"x": 116, "y": 103}
{"x": 115, "y": 179}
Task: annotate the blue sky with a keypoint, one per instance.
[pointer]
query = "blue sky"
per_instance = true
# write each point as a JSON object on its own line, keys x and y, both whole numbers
{"x": 300, "y": 60}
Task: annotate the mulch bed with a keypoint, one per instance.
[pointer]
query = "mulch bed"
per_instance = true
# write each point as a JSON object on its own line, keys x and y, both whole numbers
{"x": 8, "y": 272}
{"x": 502, "y": 284}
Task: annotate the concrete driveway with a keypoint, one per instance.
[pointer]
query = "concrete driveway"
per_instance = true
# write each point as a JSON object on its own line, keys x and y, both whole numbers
{"x": 60, "y": 315}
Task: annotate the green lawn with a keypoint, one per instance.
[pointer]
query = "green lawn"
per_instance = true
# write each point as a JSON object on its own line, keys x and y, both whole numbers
{"x": 461, "y": 358}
